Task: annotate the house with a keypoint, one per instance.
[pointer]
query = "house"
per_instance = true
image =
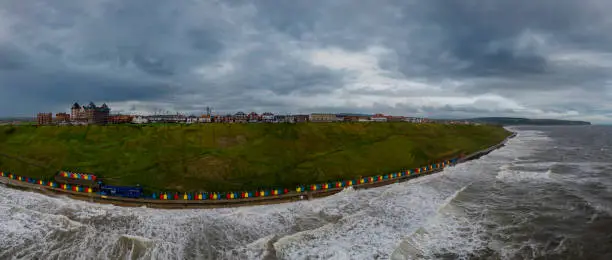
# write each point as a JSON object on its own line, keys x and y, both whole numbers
{"x": 378, "y": 118}
{"x": 62, "y": 117}
{"x": 167, "y": 119}
{"x": 229, "y": 118}
{"x": 206, "y": 118}
{"x": 416, "y": 120}
{"x": 215, "y": 119}
{"x": 240, "y": 117}
{"x": 282, "y": 119}
{"x": 396, "y": 118}
{"x": 140, "y": 120}
{"x": 356, "y": 118}
{"x": 44, "y": 118}
{"x": 120, "y": 119}
{"x": 253, "y": 117}
{"x": 90, "y": 114}
{"x": 301, "y": 118}
{"x": 351, "y": 118}
{"x": 322, "y": 117}
{"x": 192, "y": 119}
{"x": 267, "y": 117}
{"x": 224, "y": 118}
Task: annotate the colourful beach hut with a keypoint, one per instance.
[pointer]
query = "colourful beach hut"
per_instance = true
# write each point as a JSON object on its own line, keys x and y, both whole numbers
{"x": 214, "y": 196}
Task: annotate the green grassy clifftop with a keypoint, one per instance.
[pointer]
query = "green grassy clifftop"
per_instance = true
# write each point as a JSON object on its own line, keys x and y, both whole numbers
{"x": 223, "y": 157}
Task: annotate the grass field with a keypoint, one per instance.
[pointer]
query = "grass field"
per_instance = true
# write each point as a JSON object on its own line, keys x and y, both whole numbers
{"x": 224, "y": 157}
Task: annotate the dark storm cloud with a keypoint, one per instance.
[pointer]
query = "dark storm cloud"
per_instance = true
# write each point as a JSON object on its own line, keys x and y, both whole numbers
{"x": 159, "y": 67}
{"x": 236, "y": 55}
{"x": 471, "y": 27}
{"x": 11, "y": 58}
{"x": 67, "y": 87}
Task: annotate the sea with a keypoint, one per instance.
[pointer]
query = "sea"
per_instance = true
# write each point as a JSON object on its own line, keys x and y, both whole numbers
{"x": 546, "y": 195}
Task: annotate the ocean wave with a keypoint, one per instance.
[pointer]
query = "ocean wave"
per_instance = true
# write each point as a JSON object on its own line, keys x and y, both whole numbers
{"x": 450, "y": 234}
{"x": 507, "y": 175}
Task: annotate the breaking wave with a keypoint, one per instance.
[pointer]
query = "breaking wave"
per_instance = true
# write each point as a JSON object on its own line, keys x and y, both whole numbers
{"x": 507, "y": 175}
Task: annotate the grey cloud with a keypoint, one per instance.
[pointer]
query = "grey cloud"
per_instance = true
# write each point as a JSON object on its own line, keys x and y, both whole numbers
{"x": 205, "y": 40}
{"x": 50, "y": 49}
{"x": 148, "y": 50}
{"x": 66, "y": 87}
{"x": 154, "y": 66}
{"x": 12, "y": 58}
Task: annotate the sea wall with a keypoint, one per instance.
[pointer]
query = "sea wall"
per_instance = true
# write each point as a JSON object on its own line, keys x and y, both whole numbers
{"x": 233, "y": 199}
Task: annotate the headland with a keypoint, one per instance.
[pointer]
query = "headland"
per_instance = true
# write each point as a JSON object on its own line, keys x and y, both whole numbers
{"x": 513, "y": 121}
{"x": 238, "y": 158}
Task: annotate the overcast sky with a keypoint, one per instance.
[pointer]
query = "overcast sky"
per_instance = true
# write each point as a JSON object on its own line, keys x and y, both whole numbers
{"x": 434, "y": 58}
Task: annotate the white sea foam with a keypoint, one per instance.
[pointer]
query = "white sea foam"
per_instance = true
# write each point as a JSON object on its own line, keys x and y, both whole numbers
{"x": 447, "y": 233}
{"x": 507, "y": 175}
{"x": 450, "y": 230}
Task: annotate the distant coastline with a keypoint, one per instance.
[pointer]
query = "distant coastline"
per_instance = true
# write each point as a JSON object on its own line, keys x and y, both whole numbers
{"x": 509, "y": 121}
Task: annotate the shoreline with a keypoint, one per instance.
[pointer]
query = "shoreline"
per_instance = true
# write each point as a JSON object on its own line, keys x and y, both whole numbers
{"x": 292, "y": 196}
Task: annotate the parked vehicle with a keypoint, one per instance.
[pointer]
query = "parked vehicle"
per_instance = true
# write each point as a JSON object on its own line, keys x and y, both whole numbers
{"x": 121, "y": 191}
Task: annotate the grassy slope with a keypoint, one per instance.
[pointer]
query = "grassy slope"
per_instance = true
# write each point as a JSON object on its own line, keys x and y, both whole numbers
{"x": 236, "y": 157}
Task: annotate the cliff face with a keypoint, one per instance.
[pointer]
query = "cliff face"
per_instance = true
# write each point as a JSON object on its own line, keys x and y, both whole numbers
{"x": 233, "y": 157}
